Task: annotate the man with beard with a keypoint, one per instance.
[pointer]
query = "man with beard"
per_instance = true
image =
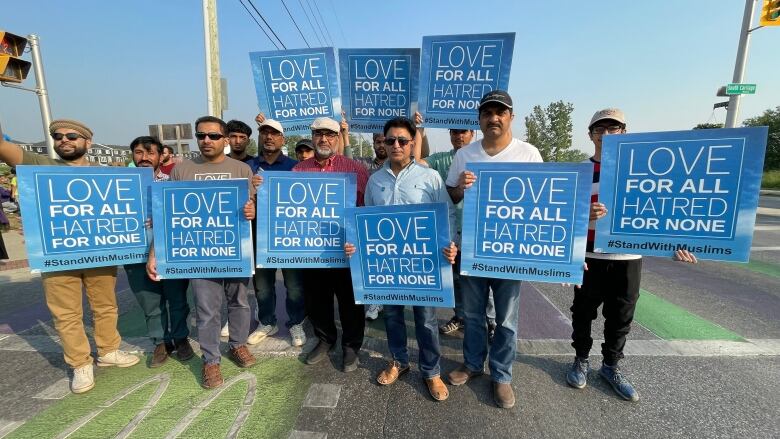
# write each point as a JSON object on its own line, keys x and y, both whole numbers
{"x": 209, "y": 294}
{"x": 63, "y": 289}
{"x": 380, "y": 155}
{"x": 166, "y": 160}
{"x": 164, "y": 303}
{"x": 321, "y": 284}
{"x": 498, "y": 145}
{"x": 271, "y": 159}
{"x": 239, "y": 134}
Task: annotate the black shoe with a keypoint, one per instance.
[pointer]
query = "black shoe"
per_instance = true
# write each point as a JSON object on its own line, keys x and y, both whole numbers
{"x": 319, "y": 353}
{"x": 454, "y": 324}
{"x": 184, "y": 350}
{"x": 350, "y": 360}
{"x": 491, "y": 332}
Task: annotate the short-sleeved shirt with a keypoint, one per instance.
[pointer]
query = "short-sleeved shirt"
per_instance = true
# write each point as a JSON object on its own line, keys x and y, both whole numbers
{"x": 441, "y": 162}
{"x": 199, "y": 169}
{"x": 338, "y": 163}
{"x": 516, "y": 151}
{"x": 31, "y": 158}
{"x": 282, "y": 163}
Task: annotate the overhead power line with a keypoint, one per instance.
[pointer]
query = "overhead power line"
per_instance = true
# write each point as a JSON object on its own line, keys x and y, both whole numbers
{"x": 327, "y": 31}
{"x": 338, "y": 22}
{"x": 310, "y": 24}
{"x": 258, "y": 25}
{"x": 317, "y": 22}
{"x": 266, "y": 23}
{"x": 296, "y": 24}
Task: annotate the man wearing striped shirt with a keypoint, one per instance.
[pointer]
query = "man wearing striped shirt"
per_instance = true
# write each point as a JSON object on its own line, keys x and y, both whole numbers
{"x": 610, "y": 279}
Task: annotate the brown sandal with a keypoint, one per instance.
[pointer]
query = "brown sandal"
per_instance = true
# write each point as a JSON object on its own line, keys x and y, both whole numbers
{"x": 391, "y": 373}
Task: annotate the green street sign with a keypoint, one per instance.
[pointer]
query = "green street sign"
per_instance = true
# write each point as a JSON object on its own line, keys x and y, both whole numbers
{"x": 741, "y": 89}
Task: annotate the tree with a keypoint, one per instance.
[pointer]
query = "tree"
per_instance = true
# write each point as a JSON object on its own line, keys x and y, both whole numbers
{"x": 251, "y": 149}
{"x": 289, "y": 143}
{"x": 550, "y": 130}
{"x": 770, "y": 118}
{"x": 707, "y": 126}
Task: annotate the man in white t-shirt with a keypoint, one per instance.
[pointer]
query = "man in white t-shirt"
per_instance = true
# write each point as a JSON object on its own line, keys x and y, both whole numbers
{"x": 495, "y": 121}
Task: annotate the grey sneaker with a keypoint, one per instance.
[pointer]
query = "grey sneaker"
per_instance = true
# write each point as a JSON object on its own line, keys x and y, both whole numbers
{"x": 117, "y": 358}
{"x": 372, "y": 312}
{"x": 619, "y": 383}
{"x": 261, "y": 333}
{"x": 83, "y": 379}
{"x": 297, "y": 335}
{"x": 577, "y": 376}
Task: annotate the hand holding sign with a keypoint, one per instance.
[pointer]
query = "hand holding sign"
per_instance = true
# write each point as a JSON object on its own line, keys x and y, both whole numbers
{"x": 597, "y": 211}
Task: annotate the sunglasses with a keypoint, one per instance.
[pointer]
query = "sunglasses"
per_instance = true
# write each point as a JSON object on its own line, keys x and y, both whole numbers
{"x": 69, "y": 136}
{"x": 212, "y": 136}
{"x": 403, "y": 141}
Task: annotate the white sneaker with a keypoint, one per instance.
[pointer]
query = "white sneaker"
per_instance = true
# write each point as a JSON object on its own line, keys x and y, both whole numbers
{"x": 261, "y": 332}
{"x": 372, "y": 312}
{"x": 118, "y": 359}
{"x": 83, "y": 379}
{"x": 225, "y": 331}
{"x": 298, "y": 335}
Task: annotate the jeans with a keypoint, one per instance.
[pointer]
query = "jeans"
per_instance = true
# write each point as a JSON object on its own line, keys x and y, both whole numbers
{"x": 164, "y": 304}
{"x": 475, "y": 340}
{"x": 209, "y": 294}
{"x": 426, "y": 330}
{"x": 491, "y": 304}
{"x": 265, "y": 291}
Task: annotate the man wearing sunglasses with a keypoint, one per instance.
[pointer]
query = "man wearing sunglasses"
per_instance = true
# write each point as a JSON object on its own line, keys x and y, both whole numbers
{"x": 213, "y": 164}
{"x": 321, "y": 284}
{"x": 402, "y": 181}
{"x": 498, "y": 145}
{"x": 63, "y": 289}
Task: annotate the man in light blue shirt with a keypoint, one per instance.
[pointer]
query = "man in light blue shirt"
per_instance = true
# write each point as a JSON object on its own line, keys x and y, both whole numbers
{"x": 402, "y": 181}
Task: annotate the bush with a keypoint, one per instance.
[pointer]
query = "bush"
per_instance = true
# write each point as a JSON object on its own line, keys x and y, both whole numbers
{"x": 771, "y": 180}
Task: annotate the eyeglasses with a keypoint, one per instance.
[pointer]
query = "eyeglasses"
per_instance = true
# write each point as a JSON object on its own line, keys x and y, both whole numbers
{"x": 212, "y": 136}
{"x": 403, "y": 141}
{"x": 612, "y": 129}
{"x": 69, "y": 136}
{"x": 271, "y": 133}
{"x": 324, "y": 133}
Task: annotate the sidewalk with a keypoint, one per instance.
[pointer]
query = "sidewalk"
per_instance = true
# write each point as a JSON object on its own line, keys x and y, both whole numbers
{"x": 14, "y": 243}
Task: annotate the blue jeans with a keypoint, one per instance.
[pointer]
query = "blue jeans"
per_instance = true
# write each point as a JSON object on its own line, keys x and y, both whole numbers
{"x": 459, "y": 313}
{"x": 427, "y": 331}
{"x": 475, "y": 340}
{"x": 265, "y": 291}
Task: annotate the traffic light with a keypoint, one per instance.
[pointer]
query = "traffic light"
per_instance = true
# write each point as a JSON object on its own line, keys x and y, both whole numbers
{"x": 12, "y": 68}
{"x": 770, "y": 13}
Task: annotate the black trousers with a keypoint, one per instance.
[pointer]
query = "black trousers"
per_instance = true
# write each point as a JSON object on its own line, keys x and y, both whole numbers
{"x": 615, "y": 284}
{"x": 320, "y": 285}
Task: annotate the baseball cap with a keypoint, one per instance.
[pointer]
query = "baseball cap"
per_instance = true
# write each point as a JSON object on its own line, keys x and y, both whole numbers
{"x": 497, "y": 96}
{"x": 608, "y": 113}
{"x": 303, "y": 144}
{"x": 273, "y": 124}
{"x": 326, "y": 123}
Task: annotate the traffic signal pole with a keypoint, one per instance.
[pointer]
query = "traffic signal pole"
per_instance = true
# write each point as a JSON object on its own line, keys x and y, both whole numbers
{"x": 41, "y": 91}
{"x": 739, "y": 66}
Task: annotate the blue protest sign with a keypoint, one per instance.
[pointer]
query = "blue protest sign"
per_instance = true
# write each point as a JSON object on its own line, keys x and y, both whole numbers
{"x": 526, "y": 221}
{"x": 200, "y": 230}
{"x": 300, "y": 219}
{"x": 377, "y": 85}
{"x": 694, "y": 190}
{"x": 82, "y": 217}
{"x": 398, "y": 258}
{"x": 296, "y": 86}
{"x": 456, "y": 71}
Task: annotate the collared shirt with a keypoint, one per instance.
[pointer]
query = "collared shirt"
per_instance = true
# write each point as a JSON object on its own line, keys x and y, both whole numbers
{"x": 415, "y": 184}
{"x": 337, "y": 163}
{"x": 371, "y": 164}
{"x": 282, "y": 163}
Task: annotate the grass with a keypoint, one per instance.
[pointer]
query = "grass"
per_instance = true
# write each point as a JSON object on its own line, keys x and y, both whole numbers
{"x": 771, "y": 180}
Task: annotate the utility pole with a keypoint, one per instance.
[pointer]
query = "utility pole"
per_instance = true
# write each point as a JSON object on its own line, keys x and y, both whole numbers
{"x": 211, "y": 40}
{"x": 739, "y": 66}
{"x": 43, "y": 94}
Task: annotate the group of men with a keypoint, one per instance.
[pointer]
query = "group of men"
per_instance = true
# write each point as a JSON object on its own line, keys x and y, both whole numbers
{"x": 397, "y": 175}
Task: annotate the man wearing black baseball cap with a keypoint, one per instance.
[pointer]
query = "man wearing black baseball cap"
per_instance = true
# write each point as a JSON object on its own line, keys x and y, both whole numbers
{"x": 495, "y": 121}
{"x": 304, "y": 150}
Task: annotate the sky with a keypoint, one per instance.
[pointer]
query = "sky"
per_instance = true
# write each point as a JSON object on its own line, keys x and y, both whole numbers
{"x": 121, "y": 66}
